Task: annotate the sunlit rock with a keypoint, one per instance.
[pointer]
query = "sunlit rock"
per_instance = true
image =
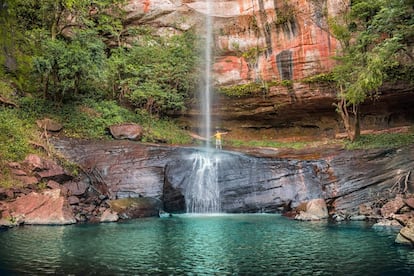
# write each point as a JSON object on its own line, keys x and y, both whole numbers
{"x": 109, "y": 216}
{"x": 406, "y": 235}
{"x": 392, "y": 207}
{"x": 126, "y": 131}
{"x": 316, "y": 209}
{"x": 47, "y": 207}
{"x": 129, "y": 208}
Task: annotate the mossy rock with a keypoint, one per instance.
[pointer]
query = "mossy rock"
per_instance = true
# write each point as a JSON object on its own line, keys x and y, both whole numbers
{"x": 138, "y": 207}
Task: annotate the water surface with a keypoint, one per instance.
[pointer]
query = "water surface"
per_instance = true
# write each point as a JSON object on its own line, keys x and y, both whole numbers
{"x": 207, "y": 245}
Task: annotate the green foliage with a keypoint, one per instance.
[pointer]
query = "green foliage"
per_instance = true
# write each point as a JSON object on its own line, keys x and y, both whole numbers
{"x": 241, "y": 90}
{"x": 91, "y": 119}
{"x": 285, "y": 15}
{"x": 163, "y": 130}
{"x": 387, "y": 140}
{"x": 156, "y": 75}
{"x": 375, "y": 37}
{"x": 264, "y": 143}
{"x": 319, "y": 78}
{"x": 252, "y": 54}
{"x": 252, "y": 88}
{"x": 67, "y": 68}
{"x": 377, "y": 45}
{"x": 14, "y": 135}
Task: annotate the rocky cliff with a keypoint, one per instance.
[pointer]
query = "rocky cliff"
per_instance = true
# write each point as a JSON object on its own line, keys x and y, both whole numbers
{"x": 259, "y": 40}
{"x": 253, "y": 40}
{"x": 266, "y": 180}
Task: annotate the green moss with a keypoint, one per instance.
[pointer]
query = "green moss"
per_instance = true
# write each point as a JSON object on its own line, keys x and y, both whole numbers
{"x": 252, "y": 88}
{"x": 264, "y": 143}
{"x": 15, "y": 135}
{"x": 386, "y": 140}
{"x": 241, "y": 90}
{"x": 284, "y": 15}
{"x": 319, "y": 78}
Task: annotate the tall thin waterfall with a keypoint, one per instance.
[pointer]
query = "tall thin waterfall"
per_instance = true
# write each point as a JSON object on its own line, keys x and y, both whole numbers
{"x": 202, "y": 193}
{"x": 205, "y": 90}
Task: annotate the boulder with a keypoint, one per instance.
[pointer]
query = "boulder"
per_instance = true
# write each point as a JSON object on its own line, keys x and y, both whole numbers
{"x": 136, "y": 207}
{"x": 126, "y": 131}
{"x": 406, "y": 235}
{"x": 109, "y": 216}
{"x": 392, "y": 207}
{"x": 49, "y": 125}
{"x": 34, "y": 162}
{"x": 27, "y": 180}
{"x": 48, "y": 207}
{"x": 316, "y": 209}
{"x": 76, "y": 188}
{"x": 404, "y": 218}
{"x": 46, "y": 169}
{"x": 387, "y": 223}
{"x": 72, "y": 200}
{"x": 410, "y": 202}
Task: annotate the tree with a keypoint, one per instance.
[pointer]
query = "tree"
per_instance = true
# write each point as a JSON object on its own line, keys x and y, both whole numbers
{"x": 64, "y": 40}
{"x": 156, "y": 74}
{"x": 374, "y": 37}
{"x": 67, "y": 66}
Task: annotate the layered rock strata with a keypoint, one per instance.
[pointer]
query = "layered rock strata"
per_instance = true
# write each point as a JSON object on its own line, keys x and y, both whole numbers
{"x": 269, "y": 180}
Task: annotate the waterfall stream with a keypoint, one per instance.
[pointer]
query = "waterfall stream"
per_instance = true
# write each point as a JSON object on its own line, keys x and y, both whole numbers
{"x": 202, "y": 193}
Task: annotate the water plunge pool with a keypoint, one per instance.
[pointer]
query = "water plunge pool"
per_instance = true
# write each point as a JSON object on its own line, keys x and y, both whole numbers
{"x": 205, "y": 245}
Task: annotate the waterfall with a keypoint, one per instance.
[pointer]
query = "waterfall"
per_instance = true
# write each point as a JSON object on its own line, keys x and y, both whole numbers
{"x": 202, "y": 193}
{"x": 205, "y": 90}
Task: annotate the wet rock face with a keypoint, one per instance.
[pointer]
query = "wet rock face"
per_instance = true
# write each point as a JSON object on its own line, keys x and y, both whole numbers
{"x": 346, "y": 180}
{"x": 250, "y": 184}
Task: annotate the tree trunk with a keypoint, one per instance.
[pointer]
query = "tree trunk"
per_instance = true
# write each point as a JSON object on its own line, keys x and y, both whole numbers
{"x": 357, "y": 125}
{"x": 351, "y": 123}
{"x": 45, "y": 85}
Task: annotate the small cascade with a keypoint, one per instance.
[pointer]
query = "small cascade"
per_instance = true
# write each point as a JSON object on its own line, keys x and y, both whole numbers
{"x": 202, "y": 194}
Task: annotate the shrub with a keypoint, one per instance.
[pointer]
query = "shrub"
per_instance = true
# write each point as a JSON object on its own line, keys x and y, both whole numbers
{"x": 14, "y": 135}
{"x": 386, "y": 140}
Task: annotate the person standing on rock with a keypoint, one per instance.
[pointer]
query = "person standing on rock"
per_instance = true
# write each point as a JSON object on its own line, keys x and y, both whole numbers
{"x": 219, "y": 139}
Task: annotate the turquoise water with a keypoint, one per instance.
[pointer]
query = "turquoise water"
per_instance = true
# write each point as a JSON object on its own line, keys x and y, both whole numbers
{"x": 208, "y": 245}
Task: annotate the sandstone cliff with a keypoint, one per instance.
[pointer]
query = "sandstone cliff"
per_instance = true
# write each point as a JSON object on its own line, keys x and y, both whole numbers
{"x": 266, "y": 40}
{"x": 273, "y": 40}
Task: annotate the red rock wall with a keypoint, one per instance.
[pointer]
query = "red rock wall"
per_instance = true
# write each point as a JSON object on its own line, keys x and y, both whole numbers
{"x": 291, "y": 36}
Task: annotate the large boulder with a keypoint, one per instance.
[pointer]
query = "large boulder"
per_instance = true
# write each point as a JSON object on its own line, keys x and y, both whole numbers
{"x": 392, "y": 207}
{"x": 316, "y": 209}
{"x": 109, "y": 216}
{"x": 406, "y": 235}
{"x": 48, "y": 207}
{"x": 126, "y": 131}
{"x": 136, "y": 207}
